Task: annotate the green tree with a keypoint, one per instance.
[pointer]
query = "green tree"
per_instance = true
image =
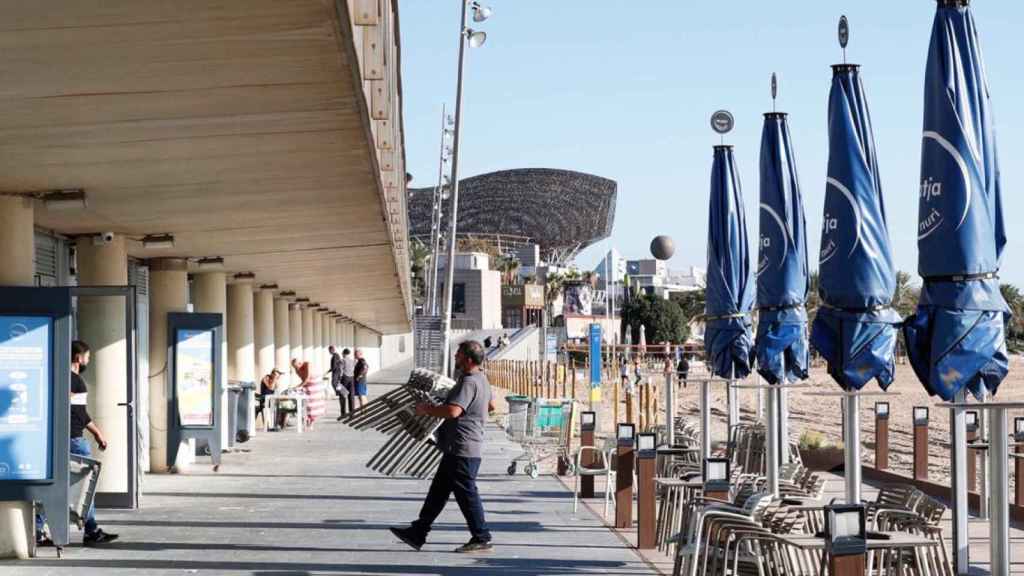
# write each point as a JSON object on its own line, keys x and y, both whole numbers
{"x": 691, "y": 303}
{"x": 419, "y": 256}
{"x": 662, "y": 319}
{"x": 906, "y": 295}
{"x": 1015, "y": 300}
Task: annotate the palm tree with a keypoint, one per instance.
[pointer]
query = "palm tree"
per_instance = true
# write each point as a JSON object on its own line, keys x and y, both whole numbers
{"x": 1015, "y": 301}
{"x": 813, "y": 301}
{"x": 419, "y": 254}
{"x": 906, "y": 294}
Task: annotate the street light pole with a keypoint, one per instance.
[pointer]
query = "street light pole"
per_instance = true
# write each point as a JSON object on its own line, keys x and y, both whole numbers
{"x": 436, "y": 219}
{"x": 465, "y": 36}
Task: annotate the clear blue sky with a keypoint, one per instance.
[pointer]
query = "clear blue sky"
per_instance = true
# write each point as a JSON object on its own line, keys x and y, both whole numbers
{"x": 624, "y": 89}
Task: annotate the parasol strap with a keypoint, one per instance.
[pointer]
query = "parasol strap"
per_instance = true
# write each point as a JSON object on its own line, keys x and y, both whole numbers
{"x": 865, "y": 310}
{"x": 726, "y": 316}
{"x": 963, "y": 277}
{"x": 779, "y": 308}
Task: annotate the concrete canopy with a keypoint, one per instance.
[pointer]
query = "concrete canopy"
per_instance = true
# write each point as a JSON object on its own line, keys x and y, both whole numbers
{"x": 242, "y": 127}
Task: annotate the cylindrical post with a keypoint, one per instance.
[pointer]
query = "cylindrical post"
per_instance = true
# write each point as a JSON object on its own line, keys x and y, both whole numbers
{"x": 958, "y": 461}
{"x": 972, "y": 453}
{"x": 921, "y": 443}
{"x": 771, "y": 441}
{"x": 705, "y": 419}
{"x": 1000, "y": 484}
{"x": 852, "y": 439}
{"x": 210, "y": 295}
{"x": 453, "y": 214}
{"x": 983, "y": 480}
{"x": 784, "y": 425}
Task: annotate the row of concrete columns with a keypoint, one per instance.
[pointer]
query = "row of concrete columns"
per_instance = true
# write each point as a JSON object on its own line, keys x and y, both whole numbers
{"x": 264, "y": 329}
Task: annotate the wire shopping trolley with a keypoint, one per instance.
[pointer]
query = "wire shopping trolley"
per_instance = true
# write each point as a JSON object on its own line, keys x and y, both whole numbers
{"x": 542, "y": 426}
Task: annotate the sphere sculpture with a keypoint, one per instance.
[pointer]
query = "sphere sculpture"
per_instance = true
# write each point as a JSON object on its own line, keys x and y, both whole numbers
{"x": 662, "y": 247}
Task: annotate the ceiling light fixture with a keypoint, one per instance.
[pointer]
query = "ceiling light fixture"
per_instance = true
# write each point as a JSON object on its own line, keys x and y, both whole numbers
{"x": 61, "y": 200}
{"x": 158, "y": 241}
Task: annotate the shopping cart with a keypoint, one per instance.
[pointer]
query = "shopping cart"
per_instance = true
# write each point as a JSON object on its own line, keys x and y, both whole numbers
{"x": 542, "y": 426}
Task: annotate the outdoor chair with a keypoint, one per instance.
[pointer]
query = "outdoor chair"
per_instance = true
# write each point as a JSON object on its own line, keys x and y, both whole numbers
{"x": 892, "y": 497}
{"x": 602, "y": 467}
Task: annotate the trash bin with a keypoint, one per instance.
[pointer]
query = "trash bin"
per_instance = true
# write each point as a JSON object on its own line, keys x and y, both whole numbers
{"x": 234, "y": 391}
{"x": 520, "y": 421}
{"x": 244, "y": 410}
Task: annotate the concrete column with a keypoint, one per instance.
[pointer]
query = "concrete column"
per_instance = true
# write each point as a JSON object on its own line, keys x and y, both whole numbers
{"x": 17, "y": 250}
{"x": 326, "y": 342}
{"x": 282, "y": 335}
{"x": 241, "y": 330}
{"x": 17, "y": 241}
{"x": 332, "y": 321}
{"x": 101, "y": 325}
{"x": 168, "y": 292}
{"x": 264, "y": 318}
{"x": 295, "y": 333}
{"x": 318, "y": 343}
{"x": 210, "y": 295}
{"x": 308, "y": 345}
{"x": 369, "y": 342}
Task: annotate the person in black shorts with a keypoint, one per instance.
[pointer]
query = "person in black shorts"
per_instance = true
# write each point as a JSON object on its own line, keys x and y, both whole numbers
{"x": 80, "y": 422}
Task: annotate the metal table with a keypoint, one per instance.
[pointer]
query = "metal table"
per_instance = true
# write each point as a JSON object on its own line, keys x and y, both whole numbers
{"x": 300, "y": 417}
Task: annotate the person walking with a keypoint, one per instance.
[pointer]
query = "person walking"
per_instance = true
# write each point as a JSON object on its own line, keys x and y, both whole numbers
{"x": 683, "y": 369}
{"x": 337, "y": 372}
{"x": 80, "y": 422}
{"x": 360, "y": 371}
{"x": 461, "y": 439}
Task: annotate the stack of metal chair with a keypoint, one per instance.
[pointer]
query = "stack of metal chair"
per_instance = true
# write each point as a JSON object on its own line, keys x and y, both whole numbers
{"x": 411, "y": 448}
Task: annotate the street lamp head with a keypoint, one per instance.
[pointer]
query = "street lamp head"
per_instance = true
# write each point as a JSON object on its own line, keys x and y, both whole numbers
{"x": 481, "y": 13}
{"x": 476, "y": 38}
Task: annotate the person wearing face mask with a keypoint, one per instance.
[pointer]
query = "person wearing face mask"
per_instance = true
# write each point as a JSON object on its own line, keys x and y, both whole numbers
{"x": 461, "y": 439}
{"x": 80, "y": 422}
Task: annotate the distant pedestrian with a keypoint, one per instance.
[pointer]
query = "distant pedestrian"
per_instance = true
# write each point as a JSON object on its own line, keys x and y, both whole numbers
{"x": 361, "y": 371}
{"x": 348, "y": 377}
{"x": 487, "y": 343}
{"x": 337, "y": 372}
{"x": 81, "y": 421}
{"x": 683, "y": 369}
{"x": 314, "y": 392}
{"x": 460, "y": 438}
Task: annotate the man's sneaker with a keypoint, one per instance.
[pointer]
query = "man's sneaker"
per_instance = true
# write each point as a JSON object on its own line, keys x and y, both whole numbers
{"x": 98, "y": 537}
{"x": 475, "y": 546}
{"x": 409, "y": 536}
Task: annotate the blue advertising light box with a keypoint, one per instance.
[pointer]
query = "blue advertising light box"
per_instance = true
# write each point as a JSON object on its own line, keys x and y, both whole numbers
{"x": 26, "y": 397}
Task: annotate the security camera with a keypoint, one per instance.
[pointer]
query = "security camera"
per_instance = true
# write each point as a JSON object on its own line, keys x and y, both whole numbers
{"x": 103, "y": 238}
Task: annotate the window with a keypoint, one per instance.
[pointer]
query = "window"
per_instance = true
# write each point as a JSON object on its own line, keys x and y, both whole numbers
{"x": 459, "y": 298}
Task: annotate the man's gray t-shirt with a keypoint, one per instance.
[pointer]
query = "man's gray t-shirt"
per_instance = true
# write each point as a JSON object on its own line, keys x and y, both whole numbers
{"x": 464, "y": 436}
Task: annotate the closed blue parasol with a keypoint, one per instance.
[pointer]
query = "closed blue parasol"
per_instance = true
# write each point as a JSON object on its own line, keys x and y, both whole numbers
{"x": 729, "y": 293}
{"x": 781, "y": 344}
{"x": 956, "y": 340}
{"x": 854, "y": 329}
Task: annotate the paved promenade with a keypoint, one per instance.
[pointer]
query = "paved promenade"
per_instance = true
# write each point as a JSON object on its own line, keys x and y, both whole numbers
{"x": 299, "y": 505}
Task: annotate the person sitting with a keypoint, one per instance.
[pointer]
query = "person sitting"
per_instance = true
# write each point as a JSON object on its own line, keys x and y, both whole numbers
{"x": 268, "y": 387}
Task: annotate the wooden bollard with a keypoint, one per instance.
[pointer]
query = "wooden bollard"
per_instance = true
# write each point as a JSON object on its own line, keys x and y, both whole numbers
{"x": 626, "y": 434}
{"x": 1018, "y": 463}
{"x": 588, "y": 425}
{"x": 646, "y": 508}
{"x": 881, "y": 435}
{"x": 920, "y": 442}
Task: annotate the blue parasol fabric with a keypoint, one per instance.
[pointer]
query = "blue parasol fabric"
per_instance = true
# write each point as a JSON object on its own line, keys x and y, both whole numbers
{"x": 854, "y": 329}
{"x": 781, "y": 345}
{"x": 956, "y": 339}
{"x": 729, "y": 294}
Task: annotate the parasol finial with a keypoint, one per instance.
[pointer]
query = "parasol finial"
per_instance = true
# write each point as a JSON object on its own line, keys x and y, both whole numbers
{"x": 844, "y": 34}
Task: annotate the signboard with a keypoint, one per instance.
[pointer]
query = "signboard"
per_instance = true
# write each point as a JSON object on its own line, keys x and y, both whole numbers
{"x": 595, "y": 362}
{"x": 194, "y": 377}
{"x": 522, "y": 296}
{"x": 551, "y": 349}
{"x": 26, "y": 398}
{"x": 579, "y": 298}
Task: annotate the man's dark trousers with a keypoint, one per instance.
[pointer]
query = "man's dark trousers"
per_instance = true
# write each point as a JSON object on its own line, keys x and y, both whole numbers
{"x": 455, "y": 474}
